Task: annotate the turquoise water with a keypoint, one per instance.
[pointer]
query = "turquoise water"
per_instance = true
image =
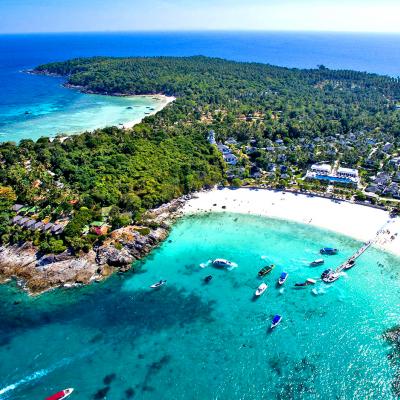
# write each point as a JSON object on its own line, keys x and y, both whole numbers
{"x": 189, "y": 340}
{"x": 69, "y": 112}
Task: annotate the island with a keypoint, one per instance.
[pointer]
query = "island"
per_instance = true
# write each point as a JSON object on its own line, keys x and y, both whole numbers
{"x": 74, "y": 209}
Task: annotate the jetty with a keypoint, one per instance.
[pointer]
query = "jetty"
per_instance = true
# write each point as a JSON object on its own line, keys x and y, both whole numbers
{"x": 330, "y": 276}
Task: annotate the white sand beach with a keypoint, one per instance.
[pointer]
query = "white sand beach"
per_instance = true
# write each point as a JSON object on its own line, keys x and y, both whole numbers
{"x": 163, "y": 101}
{"x": 357, "y": 221}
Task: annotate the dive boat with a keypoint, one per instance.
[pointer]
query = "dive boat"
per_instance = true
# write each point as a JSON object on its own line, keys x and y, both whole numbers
{"x": 61, "y": 395}
{"x": 350, "y": 264}
{"x": 158, "y": 284}
{"x": 207, "y": 278}
{"x": 276, "y": 321}
{"x": 315, "y": 263}
{"x": 282, "y": 278}
{"x": 266, "y": 270}
{"x": 222, "y": 263}
{"x": 329, "y": 276}
{"x": 261, "y": 289}
{"x": 329, "y": 251}
{"x": 309, "y": 281}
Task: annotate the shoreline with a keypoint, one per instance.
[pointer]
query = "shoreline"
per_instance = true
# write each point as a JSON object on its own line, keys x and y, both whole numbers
{"x": 352, "y": 220}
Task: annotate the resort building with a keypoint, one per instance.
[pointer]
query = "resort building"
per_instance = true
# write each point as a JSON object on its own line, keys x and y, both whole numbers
{"x": 322, "y": 169}
{"x": 324, "y": 172}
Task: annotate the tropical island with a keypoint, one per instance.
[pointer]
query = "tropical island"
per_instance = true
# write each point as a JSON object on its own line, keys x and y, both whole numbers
{"x": 89, "y": 203}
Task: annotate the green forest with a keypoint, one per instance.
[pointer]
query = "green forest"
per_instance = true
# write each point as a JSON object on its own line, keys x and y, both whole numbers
{"x": 168, "y": 155}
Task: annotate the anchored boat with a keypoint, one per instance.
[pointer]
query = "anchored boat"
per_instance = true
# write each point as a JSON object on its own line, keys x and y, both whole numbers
{"x": 350, "y": 264}
{"x": 309, "y": 281}
{"x": 329, "y": 251}
{"x": 315, "y": 263}
{"x": 261, "y": 289}
{"x": 276, "y": 321}
{"x": 207, "y": 278}
{"x": 282, "y": 278}
{"x": 61, "y": 395}
{"x": 329, "y": 276}
{"x": 158, "y": 284}
{"x": 266, "y": 270}
{"x": 222, "y": 263}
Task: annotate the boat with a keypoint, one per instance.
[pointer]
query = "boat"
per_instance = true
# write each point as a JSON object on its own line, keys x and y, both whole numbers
{"x": 222, "y": 263}
{"x": 315, "y": 263}
{"x": 266, "y": 270}
{"x": 329, "y": 276}
{"x": 282, "y": 278}
{"x": 158, "y": 284}
{"x": 309, "y": 281}
{"x": 261, "y": 289}
{"x": 207, "y": 278}
{"x": 329, "y": 251}
{"x": 350, "y": 264}
{"x": 276, "y": 321}
{"x": 61, "y": 395}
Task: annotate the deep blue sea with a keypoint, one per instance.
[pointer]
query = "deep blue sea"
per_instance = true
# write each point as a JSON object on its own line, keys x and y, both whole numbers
{"x": 32, "y": 106}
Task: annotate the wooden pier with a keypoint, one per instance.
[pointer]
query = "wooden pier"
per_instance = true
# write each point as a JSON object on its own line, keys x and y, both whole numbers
{"x": 335, "y": 274}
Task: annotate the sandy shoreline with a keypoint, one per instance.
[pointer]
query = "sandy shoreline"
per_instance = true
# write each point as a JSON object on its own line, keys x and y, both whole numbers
{"x": 357, "y": 221}
{"x": 164, "y": 101}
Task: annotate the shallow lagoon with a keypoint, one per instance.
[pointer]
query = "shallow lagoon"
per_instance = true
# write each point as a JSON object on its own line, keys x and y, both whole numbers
{"x": 189, "y": 340}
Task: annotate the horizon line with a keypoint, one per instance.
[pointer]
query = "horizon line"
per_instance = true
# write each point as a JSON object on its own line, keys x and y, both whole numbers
{"x": 166, "y": 31}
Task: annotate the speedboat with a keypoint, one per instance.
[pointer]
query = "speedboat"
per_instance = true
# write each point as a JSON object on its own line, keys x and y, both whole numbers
{"x": 276, "y": 321}
{"x": 61, "y": 395}
{"x": 329, "y": 251}
{"x": 158, "y": 284}
{"x": 282, "y": 278}
{"x": 222, "y": 263}
{"x": 261, "y": 289}
{"x": 309, "y": 281}
{"x": 329, "y": 276}
{"x": 266, "y": 270}
{"x": 315, "y": 263}
{"x": 207, "y": 278}
{"x": 350, "y": 264}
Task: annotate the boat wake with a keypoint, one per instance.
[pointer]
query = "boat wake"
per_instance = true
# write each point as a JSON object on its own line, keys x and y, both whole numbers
{"x": 206, "y": 264}
{"x": 233, "y": 266}
{"x": 4, "y": 392}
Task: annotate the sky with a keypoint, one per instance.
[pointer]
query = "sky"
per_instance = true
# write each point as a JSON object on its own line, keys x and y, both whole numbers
{"x": 21, "y": 16}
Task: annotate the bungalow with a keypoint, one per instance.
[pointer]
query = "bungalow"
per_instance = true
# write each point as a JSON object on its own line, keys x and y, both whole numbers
{"x": 29, "y": 223}
{"x": 37, "y": 226}
{"x": 223, "y": 148}
{"x": 57, "y": 229}
{"x": 17, "y": 207}
{"x": 230, "y": 158}
{"x": 22, "y": 221}
{"x": 47, "y": 227}
{"x": 16, "y": 219}
{"x": 100, "y": 230}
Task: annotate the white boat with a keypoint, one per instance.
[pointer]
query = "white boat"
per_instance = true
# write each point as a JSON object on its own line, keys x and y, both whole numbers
{"x": 261, "y": 289}
{"x": 282, "y": 278}
{"x": 276, "y": 321}
{"x": 222, "y": 263}
{"x": 61, "y": 395}
{"x": 315, "y": 263}
{"x": 158, "y": 284}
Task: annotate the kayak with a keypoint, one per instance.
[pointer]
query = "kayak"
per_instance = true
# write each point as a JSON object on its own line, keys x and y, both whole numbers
{"x": 61, "y": 395}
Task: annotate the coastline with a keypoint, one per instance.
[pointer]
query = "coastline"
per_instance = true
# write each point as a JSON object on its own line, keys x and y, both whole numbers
{"x": 163, "y": 102}
{"x": 353, "y": 220}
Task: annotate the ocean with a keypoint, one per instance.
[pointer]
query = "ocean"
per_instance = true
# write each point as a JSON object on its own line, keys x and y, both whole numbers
{"x": 35, "y": 106}
{"x": 119, "y": 339}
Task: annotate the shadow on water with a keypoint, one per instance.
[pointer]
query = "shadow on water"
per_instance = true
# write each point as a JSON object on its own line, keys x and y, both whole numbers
{"x": 108, "y": 307}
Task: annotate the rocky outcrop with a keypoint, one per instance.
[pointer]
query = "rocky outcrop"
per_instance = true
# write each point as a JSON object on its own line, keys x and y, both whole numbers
{"x": 37, "y": 272}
